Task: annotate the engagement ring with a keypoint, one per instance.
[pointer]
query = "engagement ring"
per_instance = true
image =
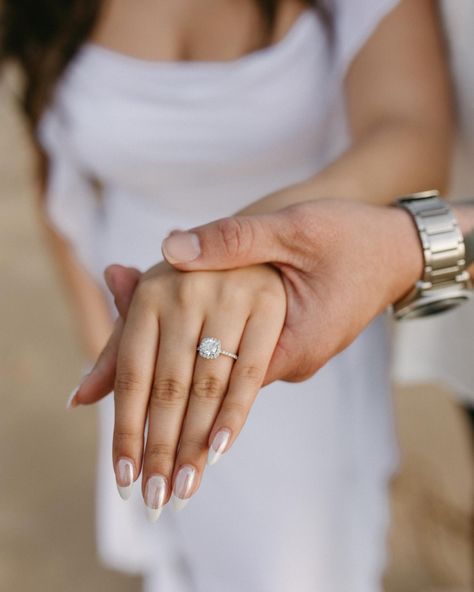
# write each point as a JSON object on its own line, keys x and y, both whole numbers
{"x": 210, "y": 348}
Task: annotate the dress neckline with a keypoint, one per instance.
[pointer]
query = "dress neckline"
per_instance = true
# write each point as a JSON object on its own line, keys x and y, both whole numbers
{"x": 91, "y": 48}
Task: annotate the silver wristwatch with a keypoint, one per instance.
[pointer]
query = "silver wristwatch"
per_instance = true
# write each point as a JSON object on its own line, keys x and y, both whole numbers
{"x": 445, "y": 282}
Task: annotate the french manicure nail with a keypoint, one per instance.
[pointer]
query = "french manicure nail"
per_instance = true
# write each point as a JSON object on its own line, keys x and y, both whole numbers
{"x": 124, "y": 475}
{"x": 155, "y": 492}
{"x": 183, "y": 485}
{"x": 181, "y": 247}
{"x": 71, "y": 400}
{"x": 218, "y": 446}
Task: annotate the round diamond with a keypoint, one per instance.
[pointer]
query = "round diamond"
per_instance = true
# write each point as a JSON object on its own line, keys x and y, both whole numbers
{"x": 210, "y": 348}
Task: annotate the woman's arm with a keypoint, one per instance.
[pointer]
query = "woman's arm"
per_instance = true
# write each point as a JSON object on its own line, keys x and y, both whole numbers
{"x": 89, "y": 304}
{"x": 399, "y": 110}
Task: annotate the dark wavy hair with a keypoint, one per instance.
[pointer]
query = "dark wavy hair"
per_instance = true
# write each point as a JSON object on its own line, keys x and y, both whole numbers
{"x": 42, "y": 36}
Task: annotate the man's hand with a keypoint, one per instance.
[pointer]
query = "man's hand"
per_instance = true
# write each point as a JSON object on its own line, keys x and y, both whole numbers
{"x": 342, "y": 263}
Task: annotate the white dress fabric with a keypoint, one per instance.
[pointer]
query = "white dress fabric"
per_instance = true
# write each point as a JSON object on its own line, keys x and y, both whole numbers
{"x": 300, "y": 501}
{"x": 441, "y": 349}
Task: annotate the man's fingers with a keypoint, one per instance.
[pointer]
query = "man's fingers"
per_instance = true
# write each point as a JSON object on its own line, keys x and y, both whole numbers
{"x": 230, "y": 242}
{"x": 122, "y": 282}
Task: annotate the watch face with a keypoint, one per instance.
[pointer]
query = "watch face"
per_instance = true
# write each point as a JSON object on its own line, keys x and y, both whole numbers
{"x": 435, "y": 307}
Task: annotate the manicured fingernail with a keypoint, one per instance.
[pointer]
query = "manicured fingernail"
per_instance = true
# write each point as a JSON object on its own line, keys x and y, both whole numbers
{"x": 181, "y": 247}
{"x": 183, "y": 485}
{"x": 218, "y": 446}
{"x": 124, "y": 475}
{"x": 71, "y": 400}
{"x": 155, "y": 492}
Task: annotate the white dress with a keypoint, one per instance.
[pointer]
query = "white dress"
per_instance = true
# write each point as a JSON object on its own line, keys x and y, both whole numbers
{"x": 300, "y": 501}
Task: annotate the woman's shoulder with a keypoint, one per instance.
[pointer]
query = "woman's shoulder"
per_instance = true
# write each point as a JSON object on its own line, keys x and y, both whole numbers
{"x": 354, "y": 23}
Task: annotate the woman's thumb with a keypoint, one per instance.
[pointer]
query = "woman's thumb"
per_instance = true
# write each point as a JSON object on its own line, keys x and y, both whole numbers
{"x": 122, "y": 282}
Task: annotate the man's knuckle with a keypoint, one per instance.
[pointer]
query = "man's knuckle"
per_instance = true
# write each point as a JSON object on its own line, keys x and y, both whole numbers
{"x": 235, "y": 236}
{"x": 294, "y": 217}
{"x": 167, "y": 391}
{"x": 208, "y": 387}
{"x": 303, "y": 228}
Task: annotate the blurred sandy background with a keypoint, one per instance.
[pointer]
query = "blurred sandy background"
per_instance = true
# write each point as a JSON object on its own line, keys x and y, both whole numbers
{"x": 47, "y": 456}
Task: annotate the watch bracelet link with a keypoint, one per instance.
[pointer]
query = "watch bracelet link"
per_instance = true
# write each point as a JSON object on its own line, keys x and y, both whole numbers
{"x": 441, "y": 240}
{"x": 445, "y": 282}
{"x": 469, "y": 236}
{"x": 469, "y": 247}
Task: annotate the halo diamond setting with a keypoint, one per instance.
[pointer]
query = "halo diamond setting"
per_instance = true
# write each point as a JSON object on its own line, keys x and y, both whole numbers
{"x": 210, "y": 348}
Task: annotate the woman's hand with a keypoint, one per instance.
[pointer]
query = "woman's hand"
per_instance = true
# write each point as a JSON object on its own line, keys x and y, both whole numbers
{"x": 341, "y": 264}
{"x": 194, "y": 406}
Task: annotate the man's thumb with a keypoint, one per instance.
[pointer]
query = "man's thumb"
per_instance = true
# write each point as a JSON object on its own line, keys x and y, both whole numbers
{"x": 227, "y": 243}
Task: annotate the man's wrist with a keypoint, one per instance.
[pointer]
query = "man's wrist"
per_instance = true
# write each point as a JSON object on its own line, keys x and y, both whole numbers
{"x": 442, "y": 236}
{"x": 464, "y": 214}
{"x": 407, "y": 253}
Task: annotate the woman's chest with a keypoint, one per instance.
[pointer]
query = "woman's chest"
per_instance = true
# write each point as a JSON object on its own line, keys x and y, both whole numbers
{"x": 146, "y": 132}
{"x": 209, "y": 30}
{"x": 148, "y": 128}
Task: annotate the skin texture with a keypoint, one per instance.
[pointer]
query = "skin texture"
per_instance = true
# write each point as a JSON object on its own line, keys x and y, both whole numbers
{"x": 174, "y": 30}
{"x": 341, "y": 264}
{"x": 321, "y": 250}
{"x": 313, "y": 245}
{"x": 184, "y": 395}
